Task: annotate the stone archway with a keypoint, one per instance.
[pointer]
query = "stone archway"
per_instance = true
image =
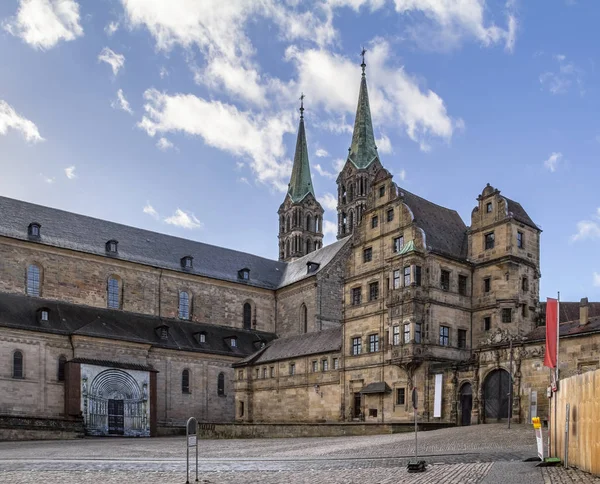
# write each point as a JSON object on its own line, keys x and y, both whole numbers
{"x": 495, "y": 395}
{"x": 466, "y": 404}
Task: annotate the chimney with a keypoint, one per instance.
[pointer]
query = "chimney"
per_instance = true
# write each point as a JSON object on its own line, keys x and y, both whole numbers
{"x": 583, "y": 311}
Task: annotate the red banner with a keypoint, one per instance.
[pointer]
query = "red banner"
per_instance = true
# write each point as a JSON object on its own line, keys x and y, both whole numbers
{"x": 551, "y": 332}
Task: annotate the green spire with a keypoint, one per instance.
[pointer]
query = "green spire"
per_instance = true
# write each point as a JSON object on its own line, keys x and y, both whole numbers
{"x": 301, "y": 181}
{"x": 363, "y": 150}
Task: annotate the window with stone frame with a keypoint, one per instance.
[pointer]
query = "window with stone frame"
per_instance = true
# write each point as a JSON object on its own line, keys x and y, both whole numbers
{"x": 487, "y": 284}
{"x": 336, "y": 363}
{"x": 33, "y": 280}
{"x": 444, "y": 336}
{"x": 487, "y": 323}
{"x": 373, "y": 291}
{"x": 292, "y": 369}
{"x": 525, "y": 284}
{"x": 264, "y": 372}
{"x": 396, "y": 279}
{"x": 373, "y": 343}
{"x": 373, "y": 412}
{"x": 506, "y": 315}
{"x": 241, "y": 375}
{"x": 381, "y": 191}
{"x": 325, "y": 364}
{"x": 184, "y": 305}
{"x": 445, "y": 280}
{"x": 407, "y": 276}
{"x": 17, "y": 365}
{"x": 400, "y": 396}
{"x": 221, "y": 384}
{"x": 489, "y": 241}
{"x": 520, "y": 240}
{"x": 368, "y": 254}
{"x": 417, "y": 332}
{"x": 524, "y": 310}
{"x": 315, "y": 366}
{"x": 62, "y": 360}
{"x": 406, "y": 333}
{"x": 462, "y": 285}
{"x": 488, "y": 207}
{"x": 396, "y": 335}
{"x": 462, "y": 338}
{"x": 356, "y": 346}
{"x": 417, "y": 275}
{"x": 185, "y": 381}
{"x": 398, "y": 243}
{"x": 356, "y": 296}
{"x": 390, "y": 215}
{"x": 374, "y": 221}
{"x": 272, "y": 372}
{"x": 113, "y": 293}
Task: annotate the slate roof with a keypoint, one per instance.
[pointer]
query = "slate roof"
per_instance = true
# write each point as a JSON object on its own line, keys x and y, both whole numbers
{"x": 570, "y": 329}
{"x": 296, "y": 346}
{"x": 445, "y": 231}
{"x": 86, "y": 234}
{"x": 363, "y": 150}
{"x": 21, "y": 312}
{"x": 519, "y": 213}
{"x": 300, "y": 181}
{"x": 569, "y": 311}
{"x": 113, "y": 364}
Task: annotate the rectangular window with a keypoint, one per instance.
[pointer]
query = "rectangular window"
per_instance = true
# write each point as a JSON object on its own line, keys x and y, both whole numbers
{"x": 487, "y": 284}
{"x": 525, "y": 284}
{"x": 292, "y": 368}
{"x": 264, "y": 373}
{"x": 445, "y": 280}
{"x": 325, "y": 365}
{"x": 396, "y": 336}
{"x": 356, "y": 296}
{"x": 524, "y": 311}
{"x": 444, "y": 335}
{"x": 396, "y": 276}
{"x": 462, "y": 338}
{"x": 462, "y": 285}
{"x": 368, "y": 255}
{"x": 417, "y": 332}
{"x": 373, "y": 343}
{"x": 400, "y": 396}
{"x": 336, "y": 364}
{"x": 407, "y": 333}
{"x": 315, "y": 366}
{"x": 373, "y": 291}
{"x": 356, "y": 346}
{"x": 374, "y": 221}
{"x": 489, "y": 241}
{"x": 418, "y": 275}
{"x": 407, "y": 276}
{"x": 488, "y": 207}
{"x": 398, "y": 243}
{"x": 373, "y": 412}
{"x": 257, "y": 373}
{"x": 381, "y": 191}
{"x": 241, "y": 375}
{"x": 272, "y": 372}
{"x": 506, "y": 315}
{"x": 487, "y": 323}
{"x": 390, "y": 215}
{"x": 520, "y": 240}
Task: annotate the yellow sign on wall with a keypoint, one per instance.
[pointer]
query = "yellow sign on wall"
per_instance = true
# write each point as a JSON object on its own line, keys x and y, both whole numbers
{"x": 536, "y": 423}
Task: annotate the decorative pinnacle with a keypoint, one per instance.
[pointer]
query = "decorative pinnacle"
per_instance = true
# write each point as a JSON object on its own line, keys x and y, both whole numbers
{"x": 302, "y": 106}
{"x": 363, "y": 65}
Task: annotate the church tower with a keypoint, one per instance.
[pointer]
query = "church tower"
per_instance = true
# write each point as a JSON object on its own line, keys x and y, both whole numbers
{"x": 354, "y": 181}
{"x": 300, "y": 214}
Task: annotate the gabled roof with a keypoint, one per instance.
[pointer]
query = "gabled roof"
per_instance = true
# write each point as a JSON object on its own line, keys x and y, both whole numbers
{"x": 570, "y": 329}
{"x": 569, "y": 311}
{"x": 363, "y": 150}
{"x": 21, "y": 312}
{"x": 301, "y": 181}
{"x": 519, "y": 213}
{"x": 295, "y": 346}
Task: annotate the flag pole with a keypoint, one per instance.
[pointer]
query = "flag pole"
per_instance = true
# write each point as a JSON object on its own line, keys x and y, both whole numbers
{"x": 556, "y": 373}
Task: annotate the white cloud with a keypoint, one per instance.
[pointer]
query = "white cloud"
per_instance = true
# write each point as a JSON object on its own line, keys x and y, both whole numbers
{"x": 384, "y": 145}
{"x": 511, "y": 36}
{"x": 111, "y": 28}
{"x": 44, "y": 23}
{"x": 114, "y": 60}
{"x": 149, "y": 209}
{"x": 324, "y": 173}
{"x": 321, "y": 153}
{"x": 329, "y": 228}
{"x": 402, "y": 174}
{"x": 258, "y": 137}
{"x": 338, "y": 164}
{"x": 598, "y": 213}
{"x": 561, "y": 80}
{"x": 329, "y": 202}
{"x": 450, "y": 21}
{"x": 47, "y": 179}
{"x": 186, "y": 220}
{"x": 9, "y": 118}
{"x": 163, "y": 72}
{"x": 164, "y": 144}
{"x": 552, "y": 162}
{"x": 596, "y": 277}
{"x": 121, "y": 103}
{"x": 357, "y": 4}
{"x": 70, "y": 172}
{"x": 244, "y": 180}
{"x": 586, "y": 229}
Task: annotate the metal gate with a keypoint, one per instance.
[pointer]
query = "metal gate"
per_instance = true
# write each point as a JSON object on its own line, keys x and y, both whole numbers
{"x": 495, "y": 394}
{"x": 116, "y": 414}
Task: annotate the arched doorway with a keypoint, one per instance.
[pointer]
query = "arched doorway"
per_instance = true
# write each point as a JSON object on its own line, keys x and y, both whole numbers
{"x": 466, "y": 404}
{"x": 495, "y": 395}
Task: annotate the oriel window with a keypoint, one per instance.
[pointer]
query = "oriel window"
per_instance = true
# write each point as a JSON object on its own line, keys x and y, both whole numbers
{"x": 398, "y": 244}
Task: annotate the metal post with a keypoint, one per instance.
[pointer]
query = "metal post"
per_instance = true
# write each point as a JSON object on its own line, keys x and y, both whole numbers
{"x": 416, "y": 441}
{"x": 510, "y": 385}
{"x": 567, "y": 436}
{"x": 556, "y": 375}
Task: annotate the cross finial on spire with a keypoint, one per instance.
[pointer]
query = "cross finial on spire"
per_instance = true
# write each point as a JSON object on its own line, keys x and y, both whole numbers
{"x": 302, "y": 105}
{"x": 363, "y": 65}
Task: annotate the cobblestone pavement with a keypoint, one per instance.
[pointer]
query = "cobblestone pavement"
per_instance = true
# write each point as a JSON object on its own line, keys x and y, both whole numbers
{"x": 479, "y": 454}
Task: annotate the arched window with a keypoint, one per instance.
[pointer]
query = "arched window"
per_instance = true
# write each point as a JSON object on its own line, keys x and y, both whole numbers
{"x": 247, "y": 316}
{"x": 185, "y": 381}
{"x": 61, "y": 368}
{"x": 287, "y": 248}
{"x": 113, "y": 299}
{"x": 304, "y": 318}
{"x": 317, "y": 224}
{"x": 221, "y": 384}
{"x": 282, "y": 224}
{"x": 308, "y": 222}
{"x": 351, "y": 223}
{"x": 33, "y": 280}
{"x": 351, "y": 192}
{"x": 308, "y": 246}
{"x": 287, "y": 223}
{"x": 184, "y": 305}
{"x": 18, "y": 365}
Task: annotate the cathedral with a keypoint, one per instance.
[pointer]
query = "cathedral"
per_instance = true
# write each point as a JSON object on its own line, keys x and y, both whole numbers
{"x": 108, "y": 329}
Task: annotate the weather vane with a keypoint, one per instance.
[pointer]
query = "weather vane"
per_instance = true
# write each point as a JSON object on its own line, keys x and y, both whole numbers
{"x": 302, "y": 105}
{"x": 362, "y": 53}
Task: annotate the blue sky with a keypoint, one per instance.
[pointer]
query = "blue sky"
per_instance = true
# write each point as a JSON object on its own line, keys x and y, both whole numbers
{"x": 180, "y": 116}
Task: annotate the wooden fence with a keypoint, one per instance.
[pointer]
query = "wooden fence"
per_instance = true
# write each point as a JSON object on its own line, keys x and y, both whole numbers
{"x": 582, "y": 393}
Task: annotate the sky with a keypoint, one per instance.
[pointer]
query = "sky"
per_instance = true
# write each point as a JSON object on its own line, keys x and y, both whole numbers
{"x": 180, "y": 116}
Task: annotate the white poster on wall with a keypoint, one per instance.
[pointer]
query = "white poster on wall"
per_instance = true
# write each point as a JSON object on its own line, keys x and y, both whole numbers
{"x": 437, "y": 401}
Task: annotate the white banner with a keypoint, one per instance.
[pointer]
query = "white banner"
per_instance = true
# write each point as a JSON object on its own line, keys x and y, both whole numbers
{"x": 437, "y": 402}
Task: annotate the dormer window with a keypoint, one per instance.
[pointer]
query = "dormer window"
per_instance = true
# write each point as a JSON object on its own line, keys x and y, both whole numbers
{"x": 233, "y": 342}
{"x": 312, "y": 267}
{"x": 187, "y": 262}
{"x": 112, "y": 246}
{"x": 163, "y": 332}
{"x": 44, "y": 315}
{"x": 34, "y": 229}
{"x": 244, "y": 274}
{"x": 200, "y": 337}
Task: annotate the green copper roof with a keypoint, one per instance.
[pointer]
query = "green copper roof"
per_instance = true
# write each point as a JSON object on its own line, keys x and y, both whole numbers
{"x": 363, "y": 150}
{"x": 301, "y": 182}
